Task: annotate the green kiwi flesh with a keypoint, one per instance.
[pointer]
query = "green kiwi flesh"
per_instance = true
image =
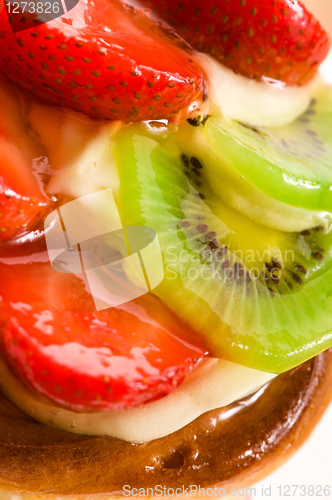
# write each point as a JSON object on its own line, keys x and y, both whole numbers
{"x": 259, "y": 296}
{"x": 284, "y": 172}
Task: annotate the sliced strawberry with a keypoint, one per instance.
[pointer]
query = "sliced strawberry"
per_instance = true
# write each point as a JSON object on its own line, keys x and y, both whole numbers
{"x": 277, "y": 39}
{"x": 54, "y": 339}
{"x": 100, "y": 60}
{"x": 22, "y": 203}
{"x": 18, "y": 214}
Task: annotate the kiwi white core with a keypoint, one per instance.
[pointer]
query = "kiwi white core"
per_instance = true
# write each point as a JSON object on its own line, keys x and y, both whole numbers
{"x": 258, "y": 104}
{"x": 213, "y": 384}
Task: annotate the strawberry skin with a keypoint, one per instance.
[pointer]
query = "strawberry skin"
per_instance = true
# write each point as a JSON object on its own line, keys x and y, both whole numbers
{"x": 101, "y": 60}
{"x": 56, "y": 343}
{"x": 276, "y": 39}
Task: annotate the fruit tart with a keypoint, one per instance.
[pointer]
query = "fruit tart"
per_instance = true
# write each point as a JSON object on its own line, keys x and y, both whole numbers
{"x": 165, "y": 243}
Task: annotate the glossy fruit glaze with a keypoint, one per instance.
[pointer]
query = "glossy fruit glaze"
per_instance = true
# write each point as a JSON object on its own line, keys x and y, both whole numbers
{"x": 51, "y": 334}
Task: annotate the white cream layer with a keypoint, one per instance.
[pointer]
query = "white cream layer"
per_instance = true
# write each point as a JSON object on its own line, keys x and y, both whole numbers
{"x": 258, "y": 104}
{"x": 213, "y": 384}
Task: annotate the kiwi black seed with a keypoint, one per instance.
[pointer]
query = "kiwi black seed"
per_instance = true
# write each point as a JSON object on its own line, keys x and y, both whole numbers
{"x": 194, "y": 173}
{"x": 185, "y": 160}
{"x": 185, "y": 223}
{"x": 318, "y": 255}
{"x": 197, "y": 121}
{"x": 196, "y": 163}
{"x": 306, "y": 232}
{"x": 300, "y": 268}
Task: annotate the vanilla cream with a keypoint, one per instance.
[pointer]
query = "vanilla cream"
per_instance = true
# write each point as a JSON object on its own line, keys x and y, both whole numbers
{"x": 213, "y": 384}
{"x": 268, "y": 103}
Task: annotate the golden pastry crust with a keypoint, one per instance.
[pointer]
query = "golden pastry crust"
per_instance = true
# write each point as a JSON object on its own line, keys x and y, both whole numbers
{"x": 36, "y": 459}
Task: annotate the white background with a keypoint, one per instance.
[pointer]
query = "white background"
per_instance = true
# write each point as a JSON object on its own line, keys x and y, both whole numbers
{"x": 311, "y": 465}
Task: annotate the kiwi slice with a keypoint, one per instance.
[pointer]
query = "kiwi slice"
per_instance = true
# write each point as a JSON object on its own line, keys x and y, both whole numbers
{"x": 279, "y": 177}
{"x": 259, "y": 296}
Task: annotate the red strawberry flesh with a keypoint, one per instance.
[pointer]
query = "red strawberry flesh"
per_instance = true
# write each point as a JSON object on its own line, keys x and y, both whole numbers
{"x": 55, "y": 341}
{"x": 277, "y": 39}
{"x": 22, "y": 202}
{"x": 100, "y": 60}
